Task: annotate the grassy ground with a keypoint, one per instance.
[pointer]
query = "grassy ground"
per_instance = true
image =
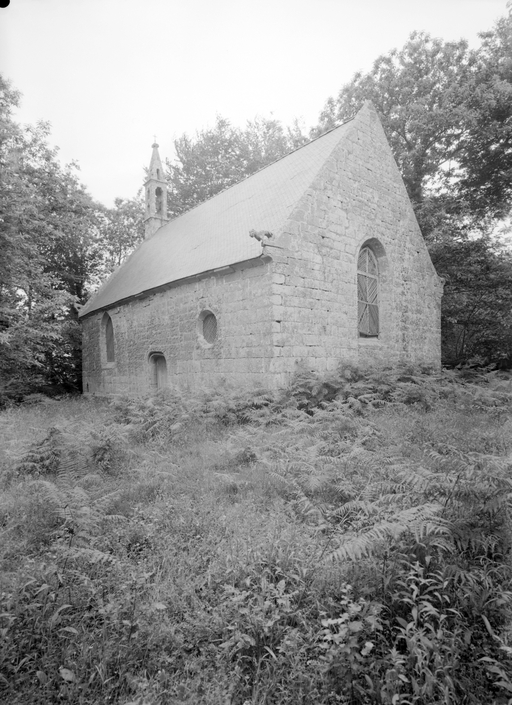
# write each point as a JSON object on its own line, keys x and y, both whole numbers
{"x": 347, "y": 541}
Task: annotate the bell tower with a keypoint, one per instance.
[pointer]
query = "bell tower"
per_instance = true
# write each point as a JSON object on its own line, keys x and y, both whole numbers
{"x": 155, "y": 189}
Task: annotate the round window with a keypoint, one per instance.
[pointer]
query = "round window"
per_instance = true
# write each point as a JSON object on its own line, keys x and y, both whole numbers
{"x": 210, "y": 328}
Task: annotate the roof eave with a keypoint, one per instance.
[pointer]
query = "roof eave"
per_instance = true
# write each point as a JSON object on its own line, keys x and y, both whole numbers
{"x": 260, "y": 260}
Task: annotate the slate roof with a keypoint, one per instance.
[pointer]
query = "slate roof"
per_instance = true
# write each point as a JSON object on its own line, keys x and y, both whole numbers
{"x": 216, "y": 233}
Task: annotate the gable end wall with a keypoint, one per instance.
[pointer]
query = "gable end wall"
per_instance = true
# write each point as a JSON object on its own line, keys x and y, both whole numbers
{"x": 358, "y": 197}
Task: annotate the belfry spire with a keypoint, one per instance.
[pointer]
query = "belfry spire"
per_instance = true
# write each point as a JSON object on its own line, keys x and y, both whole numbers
{"x": 155, "y": 189}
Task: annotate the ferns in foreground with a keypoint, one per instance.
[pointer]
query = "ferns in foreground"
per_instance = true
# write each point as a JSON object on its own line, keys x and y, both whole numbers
{"x": 438, "y": 550}
{"x": 428, "y": 549}
{"x": 271, "y": 548}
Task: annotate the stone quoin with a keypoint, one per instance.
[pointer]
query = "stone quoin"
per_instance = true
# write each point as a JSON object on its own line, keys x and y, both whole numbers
{"x": 315, "y": 259}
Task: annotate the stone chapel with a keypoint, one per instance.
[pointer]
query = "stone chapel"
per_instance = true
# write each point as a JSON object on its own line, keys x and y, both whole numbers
{"x": 315, "y": 259}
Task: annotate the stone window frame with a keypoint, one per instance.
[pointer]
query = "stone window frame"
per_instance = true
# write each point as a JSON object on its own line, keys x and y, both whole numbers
{"x": 368, "y": 324}
{"x": 200, "y": 328}
{"x": 379, "y": 254}
{"x": 153, "y": 379}
{"x": 108, "y": 341}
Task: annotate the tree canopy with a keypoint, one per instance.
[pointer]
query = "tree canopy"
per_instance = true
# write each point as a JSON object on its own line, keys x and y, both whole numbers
{"x": 55, "y": 244}
{"x": 121, "y": 229}
{"x": 45, "y": 250}
{"x": 221, "y": 156}
{"x": 446, "y": 110}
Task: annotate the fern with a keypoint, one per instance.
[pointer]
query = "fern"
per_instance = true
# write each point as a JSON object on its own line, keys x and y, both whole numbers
{"x": 420, "y": 523}
{"x": 43, "y": 457}
{"x": 91, "y": 556}
{"x": 336, "y": 541}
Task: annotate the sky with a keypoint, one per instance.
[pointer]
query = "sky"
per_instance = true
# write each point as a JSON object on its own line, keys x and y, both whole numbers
{"x": 110, "y": 75}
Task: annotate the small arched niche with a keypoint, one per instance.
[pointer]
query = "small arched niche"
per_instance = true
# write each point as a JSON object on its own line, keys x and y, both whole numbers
{"x": 158, "y": 366}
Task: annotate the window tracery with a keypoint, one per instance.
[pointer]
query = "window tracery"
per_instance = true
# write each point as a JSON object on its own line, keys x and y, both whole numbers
{"x": 368, "y": 294}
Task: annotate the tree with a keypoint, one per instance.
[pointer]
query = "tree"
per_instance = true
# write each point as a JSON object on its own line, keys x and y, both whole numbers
{"x": 485, "y": 157}
{"x": 447, "y": 113}
{"x": 122, "y": 229}
{"x": 221, "y": 156}
{"x": 48, "y": 248}
{"x": 420, "y": 93}
{"x": 477, "y": 306}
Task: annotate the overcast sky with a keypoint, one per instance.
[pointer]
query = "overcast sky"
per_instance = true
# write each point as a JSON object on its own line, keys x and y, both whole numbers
{"x": 110, "y": 74}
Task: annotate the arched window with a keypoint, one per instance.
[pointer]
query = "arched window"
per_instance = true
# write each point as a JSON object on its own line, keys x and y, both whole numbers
{"x": 158, "y": 200}
{"x": 210, "y": 328}
{"x": 159, "y": 370}
{"x": 368, "y": 294}
{"x": 109, "y": 338}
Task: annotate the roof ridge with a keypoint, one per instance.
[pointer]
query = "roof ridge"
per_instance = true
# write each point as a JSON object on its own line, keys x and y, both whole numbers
{"x": 266, "y": 166}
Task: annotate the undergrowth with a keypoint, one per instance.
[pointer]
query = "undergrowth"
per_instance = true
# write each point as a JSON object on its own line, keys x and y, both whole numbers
{"x": 346, "y": 540}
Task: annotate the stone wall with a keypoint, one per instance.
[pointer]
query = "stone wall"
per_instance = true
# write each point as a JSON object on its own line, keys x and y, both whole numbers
{"x": 357, "y": 199}
{"x": 169, "y": 322}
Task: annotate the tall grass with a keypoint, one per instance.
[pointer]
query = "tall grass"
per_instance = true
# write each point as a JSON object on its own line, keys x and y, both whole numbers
{"x": 344, "y": 541}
